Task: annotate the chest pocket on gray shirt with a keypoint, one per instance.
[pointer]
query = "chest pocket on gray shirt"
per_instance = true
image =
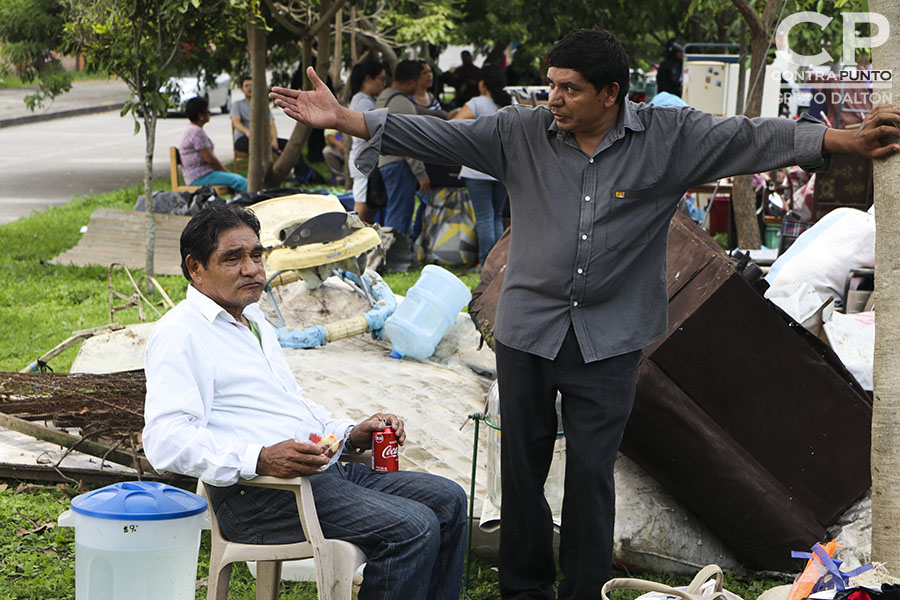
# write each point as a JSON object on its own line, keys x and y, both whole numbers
{"x": 631, "y": 217}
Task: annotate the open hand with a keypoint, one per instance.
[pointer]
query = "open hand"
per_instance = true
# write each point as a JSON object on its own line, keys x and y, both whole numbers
{"x": 318, "y": 107}
{"x": 291, "y": 458}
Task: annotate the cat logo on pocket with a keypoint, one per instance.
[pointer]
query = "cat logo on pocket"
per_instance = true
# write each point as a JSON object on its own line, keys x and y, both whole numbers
{"x": 620, "y": 194}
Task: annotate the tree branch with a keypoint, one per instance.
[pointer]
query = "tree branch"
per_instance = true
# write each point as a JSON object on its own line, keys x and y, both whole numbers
{"x": 753, "y": 21}
{"x": 326, "y": 18}
{"x": 289, "y": 24}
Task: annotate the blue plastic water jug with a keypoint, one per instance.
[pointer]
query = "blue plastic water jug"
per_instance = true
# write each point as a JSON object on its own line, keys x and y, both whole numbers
{"x": 427, "y": 312}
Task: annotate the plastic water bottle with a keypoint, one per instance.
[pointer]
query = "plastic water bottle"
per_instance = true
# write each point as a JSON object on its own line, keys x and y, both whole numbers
{"x": 427, "y": 312}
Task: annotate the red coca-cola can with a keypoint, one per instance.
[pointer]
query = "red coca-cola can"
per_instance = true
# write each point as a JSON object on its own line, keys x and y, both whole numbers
{"x": 385, "y": 451}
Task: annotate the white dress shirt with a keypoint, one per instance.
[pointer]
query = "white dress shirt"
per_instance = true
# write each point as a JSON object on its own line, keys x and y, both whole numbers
{"x": 216, "y": 396}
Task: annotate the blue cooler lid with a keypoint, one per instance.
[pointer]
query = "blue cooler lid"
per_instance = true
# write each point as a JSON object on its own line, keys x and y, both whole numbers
{"x": 139, "y": 501}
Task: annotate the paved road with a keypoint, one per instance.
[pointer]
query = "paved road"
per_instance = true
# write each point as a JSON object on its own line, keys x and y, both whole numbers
{"x": 49, "y": 162}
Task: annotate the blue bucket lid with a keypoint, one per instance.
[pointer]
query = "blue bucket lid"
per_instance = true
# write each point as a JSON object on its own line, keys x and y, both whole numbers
{"x": 139, "y": 501}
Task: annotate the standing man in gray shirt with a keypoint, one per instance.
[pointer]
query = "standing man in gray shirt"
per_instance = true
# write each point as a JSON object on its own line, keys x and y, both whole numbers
{"x": 593, "y": 182}
{"x": 402, "y": 176}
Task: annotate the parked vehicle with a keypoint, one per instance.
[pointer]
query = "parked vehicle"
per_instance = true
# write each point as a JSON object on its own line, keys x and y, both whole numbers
{"x": 182, "y": 88}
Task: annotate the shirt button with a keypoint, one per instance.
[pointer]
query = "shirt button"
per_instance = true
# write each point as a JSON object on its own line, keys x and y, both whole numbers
{"x": 591, "y": 161}
{"x": 584, "y": 236}
{"x": 580, "y": 271}
{"x": 587, "y": 198}
{"x": 575, "y": 303}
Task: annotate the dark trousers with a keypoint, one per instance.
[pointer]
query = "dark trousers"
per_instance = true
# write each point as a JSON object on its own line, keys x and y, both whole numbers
{"x": 596, "y": 401}
{"x": 243, "y": 143}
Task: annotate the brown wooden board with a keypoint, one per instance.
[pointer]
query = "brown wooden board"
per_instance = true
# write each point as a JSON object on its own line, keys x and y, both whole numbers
{"x": 709, "y": 472}
{"x": 762, "y": 383}
{"x": 119, "y": 236}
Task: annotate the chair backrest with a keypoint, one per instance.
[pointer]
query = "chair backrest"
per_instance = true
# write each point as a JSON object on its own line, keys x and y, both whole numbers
{"x": 174, "y": 161}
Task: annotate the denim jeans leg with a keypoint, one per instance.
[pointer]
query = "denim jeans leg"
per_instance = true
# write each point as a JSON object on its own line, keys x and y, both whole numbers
{"x": 447, "y": 503}
{"x": 481, "y": 195}
{"x": 401, "y": 185}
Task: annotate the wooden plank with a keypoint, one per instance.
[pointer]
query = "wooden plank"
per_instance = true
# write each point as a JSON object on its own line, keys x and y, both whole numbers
{"x": 119, "y": 236}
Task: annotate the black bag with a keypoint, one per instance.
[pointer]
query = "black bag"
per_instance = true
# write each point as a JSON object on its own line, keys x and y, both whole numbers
{"x": 376, "y": 193}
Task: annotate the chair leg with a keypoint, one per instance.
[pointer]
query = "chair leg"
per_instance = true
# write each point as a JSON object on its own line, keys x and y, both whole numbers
{"x": 268, "y": 579}
{"x": 217, "y": 583}
{"x": 336, "y": 564}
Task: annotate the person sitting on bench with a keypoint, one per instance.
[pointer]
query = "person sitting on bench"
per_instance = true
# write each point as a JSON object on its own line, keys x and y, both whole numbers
{"x": 198, "y": 161}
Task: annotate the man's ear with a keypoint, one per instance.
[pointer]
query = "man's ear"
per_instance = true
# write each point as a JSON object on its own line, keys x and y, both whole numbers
{"x": 609, "y": 94}
{"x": 194, "y": 269}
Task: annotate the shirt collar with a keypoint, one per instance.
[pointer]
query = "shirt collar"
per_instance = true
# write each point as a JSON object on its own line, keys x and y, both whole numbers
{"x": 627, "y": 119}
{"x": 210, "y": 310}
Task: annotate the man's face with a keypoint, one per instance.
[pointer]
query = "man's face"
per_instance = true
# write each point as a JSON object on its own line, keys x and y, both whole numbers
{"x": 576, "y": 104}
{"x": 247, "y": 88}
{"x": 234, "y": 276}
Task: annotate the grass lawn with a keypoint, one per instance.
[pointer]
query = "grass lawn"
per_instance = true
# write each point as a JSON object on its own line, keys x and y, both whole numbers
{"x": 40, "y": 306}
{"x": 12, "y": 81}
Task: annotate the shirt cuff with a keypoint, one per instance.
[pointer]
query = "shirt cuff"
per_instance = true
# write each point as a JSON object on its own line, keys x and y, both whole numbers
{"x": 248, "y": 463}
{"x": 367, "y": 159}
{"x": 809, "y": 136}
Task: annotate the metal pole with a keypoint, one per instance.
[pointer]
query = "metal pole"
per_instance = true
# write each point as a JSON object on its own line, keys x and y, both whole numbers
{"x": 477, "y": 418}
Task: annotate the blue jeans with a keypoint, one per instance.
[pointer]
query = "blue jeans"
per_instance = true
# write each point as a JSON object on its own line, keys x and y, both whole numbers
{"x": 410, "y": 525}
{"x": 488, "y": 200}
{"x": 401, "y": 186}
{"x": 236, "y": 182}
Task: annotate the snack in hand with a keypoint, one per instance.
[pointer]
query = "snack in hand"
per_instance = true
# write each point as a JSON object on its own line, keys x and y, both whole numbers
{"x": 329, "y": 444}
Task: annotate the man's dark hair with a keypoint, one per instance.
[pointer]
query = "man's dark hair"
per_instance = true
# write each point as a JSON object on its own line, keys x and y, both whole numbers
{"x": 361, "y": 70}
{"x": 200, "y": 237}
{"x": 597, "y": 55}
{"x": 196, "y": 107}
{"x": 408, "y": 70}
{"x": 245, "y": 78}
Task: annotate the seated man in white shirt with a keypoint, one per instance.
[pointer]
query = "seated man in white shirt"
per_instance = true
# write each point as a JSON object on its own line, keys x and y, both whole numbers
{"x": 222, "y": 404}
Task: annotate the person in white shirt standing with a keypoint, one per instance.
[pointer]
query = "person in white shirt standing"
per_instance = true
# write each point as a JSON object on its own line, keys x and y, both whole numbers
{"x": 222, "y": 404}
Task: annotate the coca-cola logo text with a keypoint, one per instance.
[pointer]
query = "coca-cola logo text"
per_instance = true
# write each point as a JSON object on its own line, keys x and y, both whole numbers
{"x": 390, "y": 451}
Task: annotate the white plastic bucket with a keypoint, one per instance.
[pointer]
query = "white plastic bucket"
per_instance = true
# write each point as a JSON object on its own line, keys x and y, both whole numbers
{"x": 427, "y": 312}
{"x": 136, "y": 541}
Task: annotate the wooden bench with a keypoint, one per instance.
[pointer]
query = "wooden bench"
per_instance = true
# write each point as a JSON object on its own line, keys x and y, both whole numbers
{"x": 177, "y": 186}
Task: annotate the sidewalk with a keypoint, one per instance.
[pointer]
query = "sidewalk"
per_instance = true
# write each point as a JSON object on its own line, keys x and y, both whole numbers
{"x": 84, "y": 97}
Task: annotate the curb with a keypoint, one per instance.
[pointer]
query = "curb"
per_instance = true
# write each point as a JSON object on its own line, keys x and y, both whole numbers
{"x": 60, "y": 114}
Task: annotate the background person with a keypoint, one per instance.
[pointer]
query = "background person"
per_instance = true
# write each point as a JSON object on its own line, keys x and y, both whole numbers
{"x": 367, "y": 81}
{"x": 240, "y": 124}
{"x": 488, "y": 195}
{"x": 426, "y": 103}
{"x": 240, "y": 121}
{"x": 669, "y": 73}
{"x": 222, "y": 404}
{"x": 198, "y": 161}
{"x": 465, "y": 79}
{"x": 402, "y": 176}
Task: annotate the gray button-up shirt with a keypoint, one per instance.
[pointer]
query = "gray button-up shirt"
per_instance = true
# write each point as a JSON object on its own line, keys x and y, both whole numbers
{"x": 589, "y": 232}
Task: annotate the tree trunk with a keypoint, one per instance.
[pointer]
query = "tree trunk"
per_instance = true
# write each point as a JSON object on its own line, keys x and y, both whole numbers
{"x": 294, "y": 148}
{"x": 150, "y": 139}
{"x": 886, "y": 408}
{"x": 260, "y": 160}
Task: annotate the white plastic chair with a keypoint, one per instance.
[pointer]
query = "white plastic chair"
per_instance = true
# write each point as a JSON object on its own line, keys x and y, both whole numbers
{"x": 336, "y": 561}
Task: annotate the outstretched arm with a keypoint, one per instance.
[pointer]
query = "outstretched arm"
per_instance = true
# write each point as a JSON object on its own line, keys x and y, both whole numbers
{"x": 866, "y": 140}
{"x": 319, "y": 108}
